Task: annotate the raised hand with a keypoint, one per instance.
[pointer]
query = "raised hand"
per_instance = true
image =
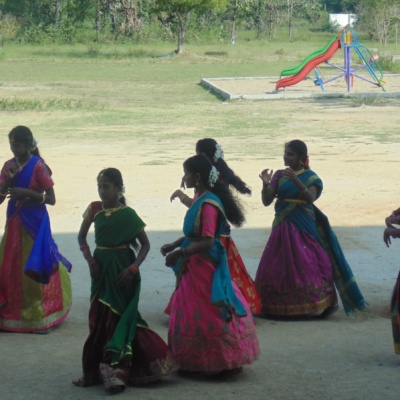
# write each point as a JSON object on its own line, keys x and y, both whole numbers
{"x": 177, "y": 194}
{"x": 392, "y": 220}
{"x": 266, "y": 176}
{"x": 288, "y": 173}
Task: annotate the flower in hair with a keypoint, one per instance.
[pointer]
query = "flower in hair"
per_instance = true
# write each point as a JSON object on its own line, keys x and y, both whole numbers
{"x": 219, "y": 153}
{"x": 34, "y": 144}
{"x": 213, "y": 177}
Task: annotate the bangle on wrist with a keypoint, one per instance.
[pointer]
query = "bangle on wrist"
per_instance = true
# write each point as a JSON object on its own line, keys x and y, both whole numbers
{"x": 133, "y": 268}
{"x": 91, "y": 262}
{"x": 183, "y": 198}
{"x": 186, "y": 252}
{"x": 43, "y": 198}
{"x": 87, "y": 255}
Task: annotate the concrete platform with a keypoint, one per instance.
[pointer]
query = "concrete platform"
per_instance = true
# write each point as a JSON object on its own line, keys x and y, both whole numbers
{"x": 263, "y": 88}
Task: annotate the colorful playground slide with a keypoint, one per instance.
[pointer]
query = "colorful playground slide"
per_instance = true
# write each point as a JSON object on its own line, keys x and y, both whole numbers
{"x": 296, "y": 70}
{"x": 310, "y": 65}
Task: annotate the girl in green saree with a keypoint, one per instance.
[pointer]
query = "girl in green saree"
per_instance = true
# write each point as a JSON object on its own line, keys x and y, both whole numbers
{"x": 120, "y": 349}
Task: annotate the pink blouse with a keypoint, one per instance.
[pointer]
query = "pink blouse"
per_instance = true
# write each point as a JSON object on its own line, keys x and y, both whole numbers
{"x": 209, "y": 219}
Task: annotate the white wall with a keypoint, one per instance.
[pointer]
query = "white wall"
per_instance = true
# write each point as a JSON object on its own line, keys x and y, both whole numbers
{"x": 342, "y": 20}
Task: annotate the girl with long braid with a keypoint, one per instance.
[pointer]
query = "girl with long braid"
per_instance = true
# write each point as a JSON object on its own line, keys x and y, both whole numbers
{"x": 211, "y": 329}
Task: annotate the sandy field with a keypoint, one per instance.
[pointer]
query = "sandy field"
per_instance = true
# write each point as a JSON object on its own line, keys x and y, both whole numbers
{"x": 355, "y": 151}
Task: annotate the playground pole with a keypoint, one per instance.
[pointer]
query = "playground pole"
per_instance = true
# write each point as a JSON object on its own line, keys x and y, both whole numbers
{"x": 347, "y": 66}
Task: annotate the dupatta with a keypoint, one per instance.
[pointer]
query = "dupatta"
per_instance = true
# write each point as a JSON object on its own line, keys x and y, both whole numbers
{"x": 222, "y": 293}
{"x": 114, "y": 235}
{"x": 44, "y": 256}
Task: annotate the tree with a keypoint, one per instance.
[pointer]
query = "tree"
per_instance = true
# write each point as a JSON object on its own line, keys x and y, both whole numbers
{"x": 8, "y": 28}
{"x": 235, "y": 7}
{"x": 379, "y": 18}
{"x": 182, "y": 9}
{"x": 301, "y": 6}
{"x": 339, "y": 6}
{"x": 396, "y": 21}
{"x": 268, "y": 16}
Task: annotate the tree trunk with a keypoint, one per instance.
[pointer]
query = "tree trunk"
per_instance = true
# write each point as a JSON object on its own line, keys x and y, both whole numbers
{"x": 181, "y": 34}
{"x": 58, "y": 14}
{"x": 235, "y": 11}
{"x": 98, "y": 19}
{"x": 183, "y": 19}
{"x": 290, "y": 18}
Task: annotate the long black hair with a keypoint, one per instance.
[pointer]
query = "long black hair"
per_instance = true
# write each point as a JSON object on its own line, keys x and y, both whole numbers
{"x": 22, "y": 134}
{"x": 208, "y": 147}
{"x": 200, "y": 164}
{"x": 114, "y": 175}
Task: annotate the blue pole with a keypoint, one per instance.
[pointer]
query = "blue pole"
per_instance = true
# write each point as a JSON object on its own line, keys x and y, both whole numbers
{"x": 347, "y": 52}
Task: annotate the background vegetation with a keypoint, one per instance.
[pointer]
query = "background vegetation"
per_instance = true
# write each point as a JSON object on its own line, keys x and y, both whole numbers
{"x": 144, "y": 21}
{"x": 101, "y": 78}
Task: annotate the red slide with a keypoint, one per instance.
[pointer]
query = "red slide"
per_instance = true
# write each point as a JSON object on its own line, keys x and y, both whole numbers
{"x": 314, "y": 62}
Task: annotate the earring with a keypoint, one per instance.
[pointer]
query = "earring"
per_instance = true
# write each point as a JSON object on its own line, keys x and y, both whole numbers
{"x": 197, "y": 183}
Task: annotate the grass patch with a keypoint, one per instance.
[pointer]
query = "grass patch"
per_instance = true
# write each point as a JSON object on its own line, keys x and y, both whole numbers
{"x": 358, "y": 101}
{"x": 44, "y": 105}
{"x": 136, "y": 93}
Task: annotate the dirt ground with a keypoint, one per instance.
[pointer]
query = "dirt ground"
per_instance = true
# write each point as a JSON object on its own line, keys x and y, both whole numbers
{"x": 339, "y": 358}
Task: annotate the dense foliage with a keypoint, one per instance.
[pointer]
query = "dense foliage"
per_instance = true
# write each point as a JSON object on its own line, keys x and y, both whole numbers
{"x": 70, "y": 21}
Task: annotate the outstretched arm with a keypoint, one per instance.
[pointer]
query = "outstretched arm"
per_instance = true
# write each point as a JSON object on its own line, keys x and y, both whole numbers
{"x": 167, "y": 248}
{"x": 204, "y": 244}
{"x": 185, "y": 199}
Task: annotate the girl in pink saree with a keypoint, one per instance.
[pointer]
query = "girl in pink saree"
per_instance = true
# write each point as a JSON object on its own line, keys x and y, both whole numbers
{"x": 211, "y": 329}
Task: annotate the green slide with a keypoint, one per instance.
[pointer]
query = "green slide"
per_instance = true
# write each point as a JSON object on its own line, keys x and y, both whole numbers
{"x": 295, "y": 70}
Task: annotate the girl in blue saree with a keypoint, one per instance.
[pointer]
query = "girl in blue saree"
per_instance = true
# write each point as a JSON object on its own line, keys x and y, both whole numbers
{"x": 302, "y": 261}
{"x": 35, "y": 287}
{"x": 211, "y": 329}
